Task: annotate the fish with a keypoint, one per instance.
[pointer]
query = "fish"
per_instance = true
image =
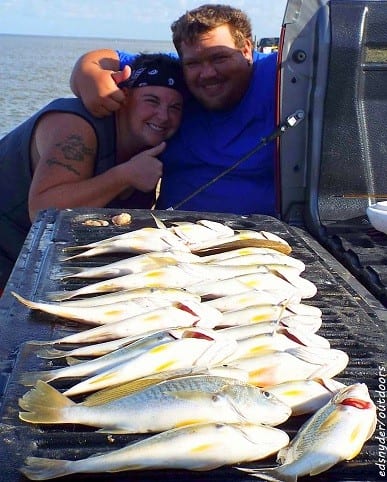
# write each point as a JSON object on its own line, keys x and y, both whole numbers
{"x": 241, "y": 239}
{"x": 254, "y": 255}
{"x": 198, "y": 447}
{"x": 169, "y": 404}
{"x": 97, "y": 315}
{"x": 134, "y": 264}
{"x": 201, "y": 231}
{"x": 280, "y": 340}
{"x": 336, "y": 432}
{"x": 274, "y": 367}
{"x": 246, "y": 298}
{"x": 175, "y": 294}
{"x": 257, "y": 314}
{"x": 306, "y": 396}
{"x": 259, "y": 281}
{"x": 178, "y": 354}
{"x": 164, "y": 277}
{"x": 98, "y": 364}
{"x": 140, "y": 241}
{"x": 174, "y": 316}
{"x": 172, "y": 276}
{"x": 94, "y": 350}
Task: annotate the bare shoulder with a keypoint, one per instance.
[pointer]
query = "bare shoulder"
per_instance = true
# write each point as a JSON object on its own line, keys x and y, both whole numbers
{"x": 65, "y": 133}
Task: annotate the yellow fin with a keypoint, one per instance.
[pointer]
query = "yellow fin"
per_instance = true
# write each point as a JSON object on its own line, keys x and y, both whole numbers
{"x": 109, "y": 394}
{"x": 44, "y": 404}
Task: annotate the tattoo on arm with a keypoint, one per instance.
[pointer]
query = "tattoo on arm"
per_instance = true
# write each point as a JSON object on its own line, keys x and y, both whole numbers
{"x": 52, "y": 161}
{"x": 73, "y": 149}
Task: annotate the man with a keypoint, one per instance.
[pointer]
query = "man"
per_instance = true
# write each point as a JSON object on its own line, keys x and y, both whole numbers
{"x": 232, "y": 109}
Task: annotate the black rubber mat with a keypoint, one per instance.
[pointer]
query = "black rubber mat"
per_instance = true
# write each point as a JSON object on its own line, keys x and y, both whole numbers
{"x": 353, "y": 320}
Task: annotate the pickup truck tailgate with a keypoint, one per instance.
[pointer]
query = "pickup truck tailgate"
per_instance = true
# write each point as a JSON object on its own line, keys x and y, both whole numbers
{"x": 353, "y": 321}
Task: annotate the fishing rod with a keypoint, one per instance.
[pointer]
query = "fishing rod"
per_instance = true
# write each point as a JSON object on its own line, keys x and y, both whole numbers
{"x": 291, "y": 121}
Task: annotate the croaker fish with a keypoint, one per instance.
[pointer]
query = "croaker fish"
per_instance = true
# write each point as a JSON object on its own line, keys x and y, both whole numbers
{"x": 97, "y": 315}
{"x": 276, "y": 367}
{"x": 306, "y": 396}
{"x": 156, "y": 408}
{"x": 134, "y": 264}
{"x": 254, "y": 255}
{"x": 173, "y": 294}
{"x": 334, "y": 433}
{"x": 174, "y": 316}
{"x": 104, "y": 362}
{"x": 137, "y": 242}
{"x": 241, "y": 239}
{"x": 174, "y": 355}
{"x": 170, "y": 276}
{"x": 195, "y": 447}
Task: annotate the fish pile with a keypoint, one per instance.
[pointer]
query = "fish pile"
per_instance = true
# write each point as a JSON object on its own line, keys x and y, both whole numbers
{"x": 202, "y": 340}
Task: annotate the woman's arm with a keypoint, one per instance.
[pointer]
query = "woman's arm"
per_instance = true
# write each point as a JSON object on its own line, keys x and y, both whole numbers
{"x": 94, "y": 79}
{"x": 64, "y": 149}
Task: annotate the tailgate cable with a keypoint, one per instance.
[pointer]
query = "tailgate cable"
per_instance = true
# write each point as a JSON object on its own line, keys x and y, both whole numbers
{"x": 291, "y": 121}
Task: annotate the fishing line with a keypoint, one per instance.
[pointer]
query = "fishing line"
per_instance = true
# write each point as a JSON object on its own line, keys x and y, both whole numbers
{"x": 291, "y": 121}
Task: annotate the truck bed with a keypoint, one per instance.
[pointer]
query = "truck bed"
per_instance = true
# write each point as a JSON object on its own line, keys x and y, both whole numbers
{"x": 353, "y": 321}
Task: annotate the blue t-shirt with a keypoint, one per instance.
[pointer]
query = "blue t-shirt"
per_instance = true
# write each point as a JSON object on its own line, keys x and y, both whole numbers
{"x": 209, "y": 142}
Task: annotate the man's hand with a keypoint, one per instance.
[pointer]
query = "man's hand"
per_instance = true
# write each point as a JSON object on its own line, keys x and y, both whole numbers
{"x": 94, "y": 79}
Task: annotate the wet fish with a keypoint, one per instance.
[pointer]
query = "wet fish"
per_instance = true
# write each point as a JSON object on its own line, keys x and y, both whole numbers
{"x": 259, "y": 281}
{"x": 178, "y": 276}
{"x": 174, "y": 294}
{"x": 175, "y": 316}
{"x": 134, "y": 264}
{"x": 256, "y": 314}
{"x": 254, "y": 255}
{"x": 195, "y": 447}
{"x": 272, "y": 368}
{"x": 137, "y": 242}
{"x": 201, "y": 231}
{"x": 179, "y": 354}
{"x": 241, "y": 239}
{"x": 306, "y": 396}
{"x": 279, "y": 340}
{"x": 97, "y": 349}
{"x": 246, "y": 298}
{"x": 156, "y": 408}
{"x": 336, "y": 432}
{"x": 98, "y": 315}
{"x": 104, "y": 362}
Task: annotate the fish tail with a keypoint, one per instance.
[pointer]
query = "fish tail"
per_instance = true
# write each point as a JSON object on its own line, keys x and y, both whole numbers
{"x": 72, "y": 360}
{"x": 44, "y": 404}
{"x": 273, "y": 474}
{"x": 51, "y": 353}
{"x": 38, "y": 468}
{"x": 29, "y": 379}
{"x": 70, "y": 272}
{"x": 24, "y": 301}
{"x": 61, "y": 295}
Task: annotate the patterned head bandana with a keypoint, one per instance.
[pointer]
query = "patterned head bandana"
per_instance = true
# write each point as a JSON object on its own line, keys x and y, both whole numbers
{"x": 158, "y": 75}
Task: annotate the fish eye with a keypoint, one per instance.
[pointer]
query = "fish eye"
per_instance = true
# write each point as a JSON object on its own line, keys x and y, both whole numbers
{"x": 266, "y": 394}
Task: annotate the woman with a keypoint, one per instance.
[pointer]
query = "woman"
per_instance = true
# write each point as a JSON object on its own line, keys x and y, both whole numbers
{"x": 63, "y": 157}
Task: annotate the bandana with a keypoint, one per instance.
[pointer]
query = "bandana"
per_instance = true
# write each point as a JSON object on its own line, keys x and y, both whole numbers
{"x": 159, "y": 76}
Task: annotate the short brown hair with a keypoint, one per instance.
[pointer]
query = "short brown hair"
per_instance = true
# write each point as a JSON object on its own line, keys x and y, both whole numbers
{"x": 207, "y": 17}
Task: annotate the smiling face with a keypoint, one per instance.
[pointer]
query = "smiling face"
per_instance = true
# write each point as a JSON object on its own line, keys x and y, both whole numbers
{"x": 217, "y": 72}
{"x": 153, "y": 114}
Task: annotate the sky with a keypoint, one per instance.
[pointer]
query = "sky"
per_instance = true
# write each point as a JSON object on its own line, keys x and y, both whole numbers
{"x": 122, "y": 19}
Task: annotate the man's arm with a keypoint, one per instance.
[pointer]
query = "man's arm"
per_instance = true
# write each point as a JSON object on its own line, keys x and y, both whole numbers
{"x": 94, "y": 79}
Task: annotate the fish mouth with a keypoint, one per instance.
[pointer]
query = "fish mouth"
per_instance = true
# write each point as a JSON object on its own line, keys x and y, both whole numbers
{"x": 357, "y": 403}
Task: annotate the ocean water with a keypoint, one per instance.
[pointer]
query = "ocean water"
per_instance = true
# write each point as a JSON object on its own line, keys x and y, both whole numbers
{"x": 36, "y": 69}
